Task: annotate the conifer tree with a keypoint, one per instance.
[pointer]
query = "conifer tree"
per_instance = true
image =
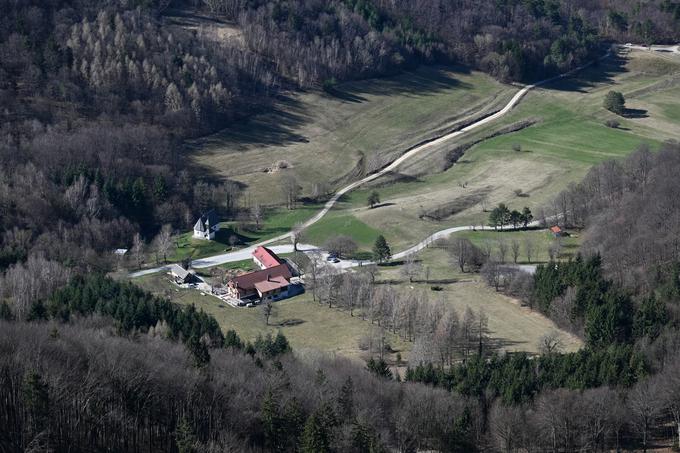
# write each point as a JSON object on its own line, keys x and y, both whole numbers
{"x": 381, "y": 249}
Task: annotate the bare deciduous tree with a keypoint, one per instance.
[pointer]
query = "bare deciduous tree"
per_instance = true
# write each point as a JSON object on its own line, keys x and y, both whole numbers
{"x": 267, "y": 308}
{"x": 515, "y": 247}
{"x": 164, "y": 242}
{"x": 529, "y": 248}
{"x": 137, "y": 249}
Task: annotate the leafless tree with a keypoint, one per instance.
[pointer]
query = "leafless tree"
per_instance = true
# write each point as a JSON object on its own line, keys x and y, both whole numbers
{"x": 164, "y": 242}
{"x": 644, "y": 403}
{"x": 550, "y": 343}
{"x": 492, "y": 273}
{"x": 467, "y": 333}
{"x": 554, "y": 249}
{"x": 529, "y": 248}
{"x": 296, "y": 235}
{"x": 313, "y": 271}
{"x": 411, "y": 267}
{"x": 341, "y": 245}
{"x": 137, "y": 249}
{"x": 267, "y": 308}
{"x": 291, "y": 188}
{"x": 506, "y": 423}
{"x": 257, "y": 215}
{"x": 668, "y": 384}
{"x": 515, "y": 247}
{"x": 461, "y": 251}
{"x": 329, "y": 285}
{"x": 502, "y": 250}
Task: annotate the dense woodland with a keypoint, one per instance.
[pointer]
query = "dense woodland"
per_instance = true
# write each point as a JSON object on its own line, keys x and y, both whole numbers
{"x": 97, "y": 97}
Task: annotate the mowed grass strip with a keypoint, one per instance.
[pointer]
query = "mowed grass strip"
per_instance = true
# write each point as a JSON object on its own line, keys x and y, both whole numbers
{"x": 348, "y": 225}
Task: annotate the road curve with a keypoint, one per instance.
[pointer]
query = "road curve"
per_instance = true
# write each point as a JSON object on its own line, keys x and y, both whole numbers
{"x": 245, "y": 253}
{"x": 420, "y": 148}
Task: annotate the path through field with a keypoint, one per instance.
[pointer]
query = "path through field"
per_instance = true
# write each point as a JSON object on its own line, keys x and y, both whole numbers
{"x": 418, "y": 149}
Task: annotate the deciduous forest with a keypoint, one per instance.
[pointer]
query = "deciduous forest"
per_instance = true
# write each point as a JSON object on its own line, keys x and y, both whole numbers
{"x": 97, "y": 98}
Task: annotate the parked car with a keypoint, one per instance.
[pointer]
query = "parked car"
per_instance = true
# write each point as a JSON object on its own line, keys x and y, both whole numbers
{"x": 335, "y": 260}
{"x": 331, "y": 257}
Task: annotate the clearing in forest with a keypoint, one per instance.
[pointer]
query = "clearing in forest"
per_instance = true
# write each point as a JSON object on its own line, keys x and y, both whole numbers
{"x": 528, "y": 167}
{"x": 326, "y": 139}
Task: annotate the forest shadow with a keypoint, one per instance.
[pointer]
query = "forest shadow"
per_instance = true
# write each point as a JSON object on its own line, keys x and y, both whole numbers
{"x": 190, "y": 17}
{"x": 601, "y": 72}
{"x": 276, "y": 126}
{"x": 496, "y": 344}
{"x": 425, "y": 80}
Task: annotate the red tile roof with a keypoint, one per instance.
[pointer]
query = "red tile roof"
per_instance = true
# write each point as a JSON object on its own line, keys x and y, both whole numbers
{"x": 266, "y": 257}
{"x": 556, "y": 229}
{"x": 248, "y": 281}
{"x": 270, "y": 285}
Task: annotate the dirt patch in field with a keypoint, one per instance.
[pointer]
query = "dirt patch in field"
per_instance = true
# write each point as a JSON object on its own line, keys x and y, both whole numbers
{"x": 446, "y": 210}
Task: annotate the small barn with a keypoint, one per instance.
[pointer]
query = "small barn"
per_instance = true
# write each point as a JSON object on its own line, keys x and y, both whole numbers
{"x": 557, "y": 231}
{"x": 180, "y": 275}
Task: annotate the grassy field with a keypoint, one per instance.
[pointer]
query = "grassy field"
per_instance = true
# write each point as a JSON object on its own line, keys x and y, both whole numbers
{"x": 513, "y": 326}
{"x": 568, "y": 138}
{"x": 541, "y": 241}
{"x": 276, "y": 222}
{"x": 309, "y": 325}
{"x": 331, "y": 138}
{"x": 306, "y": 324}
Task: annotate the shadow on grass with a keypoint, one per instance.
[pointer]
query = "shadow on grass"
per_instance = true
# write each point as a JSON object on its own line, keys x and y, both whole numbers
{"x": 382, "y": 205}
{"x": 425, "y": 80}
{"x": 601, "y": 72}
{"x": 289, "y": 323}
{"x": 635, "y": 113}
{"x": 277, "y": 126}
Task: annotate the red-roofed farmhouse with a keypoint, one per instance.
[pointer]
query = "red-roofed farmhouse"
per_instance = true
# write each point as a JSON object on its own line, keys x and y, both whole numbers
{"x": 265, "y": 258}
{"x": 267, "y": 283}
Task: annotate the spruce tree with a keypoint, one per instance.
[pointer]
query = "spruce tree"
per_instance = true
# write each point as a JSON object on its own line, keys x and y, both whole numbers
{"x": 315, "y": 437}
{"x": 35, "y": 394}
{"x": 199, "y": 351}
{"x": 381, "y": 249}
{"x": 271, "y": 422}
{"x": 184, "y": 436}
{"x": 6, "y": 312}
{"x": 615, "y": 102}
{"x": 346, "y": 400}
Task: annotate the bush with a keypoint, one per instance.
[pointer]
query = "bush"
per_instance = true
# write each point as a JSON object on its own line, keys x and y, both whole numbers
{"x": 329, "y": 84}
{"x": 615, "y": 102}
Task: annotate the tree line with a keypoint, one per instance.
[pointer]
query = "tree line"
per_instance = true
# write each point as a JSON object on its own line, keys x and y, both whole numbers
{"x": 88, "y": 379}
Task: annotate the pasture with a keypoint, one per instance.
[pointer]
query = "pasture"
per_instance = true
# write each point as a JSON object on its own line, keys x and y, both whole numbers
{"x": 326, "y": 139}
{"x": 531, "y": 166}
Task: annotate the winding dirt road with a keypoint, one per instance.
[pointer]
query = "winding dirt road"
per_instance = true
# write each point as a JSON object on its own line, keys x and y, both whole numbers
{"x": 410, "y": 154}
